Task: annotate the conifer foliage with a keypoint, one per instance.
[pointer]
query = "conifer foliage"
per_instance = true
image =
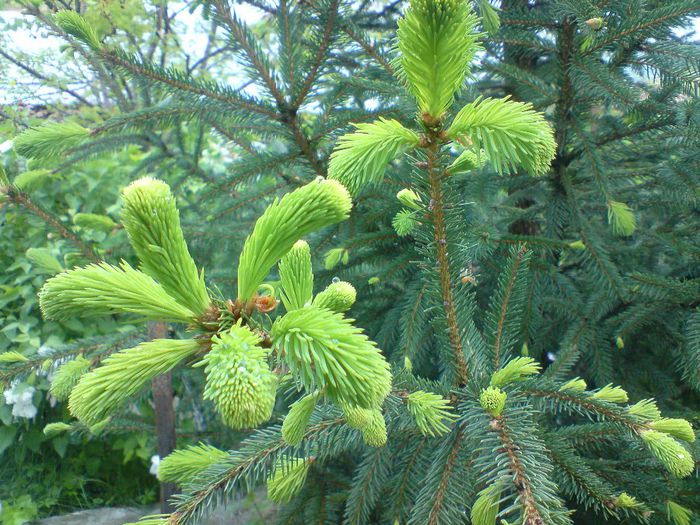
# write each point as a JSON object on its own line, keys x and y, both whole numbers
{"x": 476, "y": 429}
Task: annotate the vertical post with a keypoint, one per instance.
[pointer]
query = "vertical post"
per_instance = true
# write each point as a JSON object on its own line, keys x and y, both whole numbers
{"x": 162, "y": 387}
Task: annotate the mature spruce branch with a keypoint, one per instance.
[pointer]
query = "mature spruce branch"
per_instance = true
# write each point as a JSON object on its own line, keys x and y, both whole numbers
{"x": 531, "y": 515}
{"x": 21, "y": 199}
{"x": 435, "y": 173}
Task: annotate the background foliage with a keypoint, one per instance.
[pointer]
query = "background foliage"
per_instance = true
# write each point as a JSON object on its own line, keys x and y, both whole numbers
{"x": 611, "y": 293}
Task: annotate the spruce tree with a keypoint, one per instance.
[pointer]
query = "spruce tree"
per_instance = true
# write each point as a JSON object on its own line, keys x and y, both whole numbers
{"x": 506, "y": 239}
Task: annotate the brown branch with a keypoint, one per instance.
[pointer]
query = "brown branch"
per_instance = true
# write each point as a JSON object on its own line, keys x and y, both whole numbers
{"x": 320, "y": 55}
{"x": 505, "y": 304}
{"x": 113, "y": 58}
{"x": 41, "y": 76}
{"x": 520, "y": 479}
{"x": 434, "y": 517}
{"x": 19, "y": 198}
{"x": 238, "y": 34}
{"x": 435, "y": 175}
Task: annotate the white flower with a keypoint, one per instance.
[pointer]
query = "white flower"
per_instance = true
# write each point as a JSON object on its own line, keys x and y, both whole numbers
{"x": 155, "y": 462}
{"x": 20, "y": 397}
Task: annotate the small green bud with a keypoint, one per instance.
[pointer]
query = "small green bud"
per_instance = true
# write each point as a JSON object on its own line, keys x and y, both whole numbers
{"x": 409, "y": 198}
{"x": 678, "y": 514}
{"x": 288, "y": 479}
{"x": 493, "y": 400}
{"x": 515, "y": 370}
{"x": 373, "y": 280}
{"x": 407, "y": 364}
{"x": 431, "y": 412}
{"x": 54, "y": 429}
{"x": 575, "y": 385}
{"x": 645, "y": 409}
{"x": 625, "y": 501}
{"x": 619, "y": 342}
{"x": 668, "y": 451}
{"x": 611, "y": 394}
{"x": 338, "y": 297}
{"x": 298, "y": 418}
{"x": 374, "y": 433}
{"x": 239, "y": 379}
{"x": 577, "y": 245}
{"x": 678, "y": 428}
{"x": 12, "y": 356}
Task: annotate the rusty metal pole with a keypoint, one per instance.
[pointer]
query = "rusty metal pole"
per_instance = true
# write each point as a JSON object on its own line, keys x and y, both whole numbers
{"x": 162, "y": 387}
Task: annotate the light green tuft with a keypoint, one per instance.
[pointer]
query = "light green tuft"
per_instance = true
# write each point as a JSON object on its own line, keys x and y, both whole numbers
{"x": 12, "y": 356}
{"x": 55, "y": 429}
{"x": 94, "y": 221}
{"x": 575, "y": 385}
{"x": 123, "y": 374}
{"x": 625, "y": 501}
{"x": 374, "y": 432}
{"x": 297, "y": 276}
{"x": 309, "y": 208}
{"x": 611, "y": 394}
{"x": 298, "y": 418}
{"x": 678, "y": 514}
{"x": 431, "y": 412}
{"x": 405, "y": 223}
{"x": 493, "y": 400}
{"x": 516, "y": 369}
{"x": 645, "y": 409}
{"x": 334, "y": 257}
{"x": 511, "y": 134}
{"x": 467, "y": 161}
{"x": 678, "y": 428}
{"x": 485, "y": 508}
{"x": 43, "y": 260}
{"x": 50, "y": 140}
{"x": 337, "y": 297}
{"x": 326, "y": 351}
{"x": 409, "y": 198}
{"x": 67, "y": 376}
{"x": 183, "y": 466}
{"x": 489, "y": 17}
{"x": 288, "y": 479}
{"x": 668, "y": 451}
{"x": 360, "y": 157}
{"x": 356, "y": 417}
{"x": 152, "y": 221}
{"x": 101, "y": 289}
{"x": 437, "y": 41}
{"x": 239, "y": 379}
{"x": 621, "y": 218}
{"x": 76, "y": 26}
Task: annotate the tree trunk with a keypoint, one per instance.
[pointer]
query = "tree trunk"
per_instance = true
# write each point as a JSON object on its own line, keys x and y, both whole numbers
{"x": 162, "y": 387}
